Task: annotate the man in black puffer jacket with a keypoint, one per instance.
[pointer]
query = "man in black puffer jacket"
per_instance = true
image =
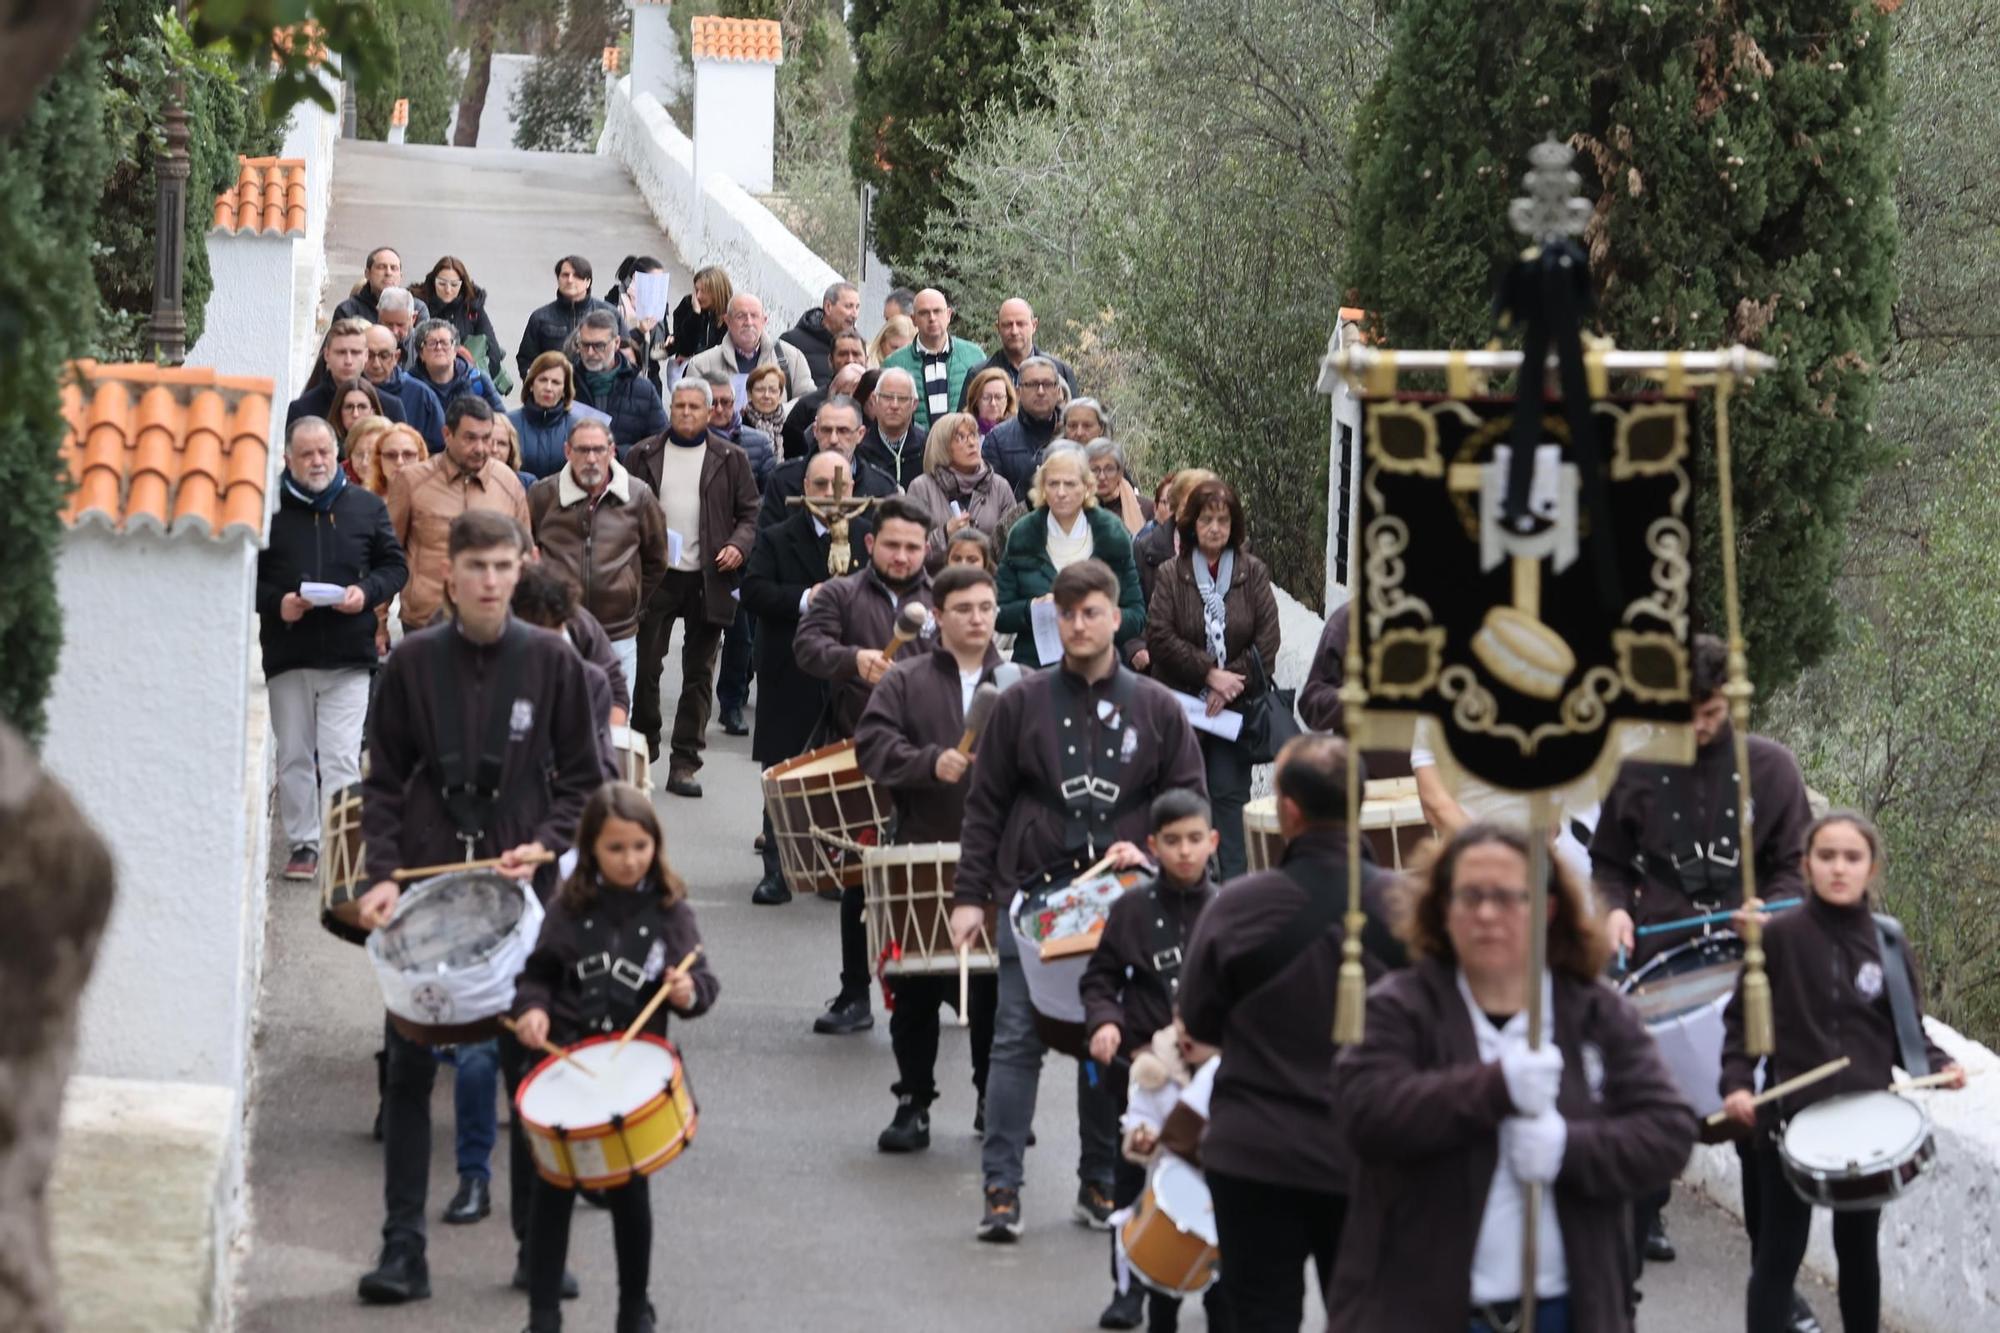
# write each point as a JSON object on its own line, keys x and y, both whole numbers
{"x": 608, "y": 383}
{"x": 550, "y": 327}
{"x": 320, "y": 646}
{"x": 813, "y": 335}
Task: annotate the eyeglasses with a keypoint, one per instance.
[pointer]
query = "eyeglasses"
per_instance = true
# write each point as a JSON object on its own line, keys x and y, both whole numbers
{"x": 1104, "y": 472}
{"x": 590, "y": 450}
{"x": 1504, "y": 900}
{"x": 386, "y": 354}
{"x": 437, "y": 344}
{"x": 1037, "y": 386}
{"x": 594, "y": 345}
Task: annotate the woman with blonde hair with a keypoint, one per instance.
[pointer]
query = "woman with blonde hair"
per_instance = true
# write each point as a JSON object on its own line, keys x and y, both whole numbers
{"x": 358, "y": 446}
{"x": 698, "y": 319}
{"x": 956, "y": 487}
{"x": 892, "y": 337}
{"x": 1066, "y": 525}
{"x": 991, "y": 398}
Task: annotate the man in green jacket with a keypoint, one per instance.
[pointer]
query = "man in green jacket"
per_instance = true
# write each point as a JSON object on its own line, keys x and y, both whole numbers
{"x": 938, "y": 362}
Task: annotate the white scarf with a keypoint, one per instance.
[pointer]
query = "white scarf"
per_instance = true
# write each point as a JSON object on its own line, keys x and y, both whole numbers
{"x": 1215, "y": 611}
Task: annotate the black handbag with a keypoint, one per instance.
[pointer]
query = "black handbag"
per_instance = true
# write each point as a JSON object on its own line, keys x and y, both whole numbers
{"x": 1269, "y": 713}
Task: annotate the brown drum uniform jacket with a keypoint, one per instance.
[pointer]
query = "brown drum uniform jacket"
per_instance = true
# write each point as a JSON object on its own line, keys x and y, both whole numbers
{"x": 1656, "y": 814}
{"x": 1829, "y": 998}
{"x": 1272, "y": 1116}
{"x": 845, "y": 615}
{"x": 913, "y": 716}
{"x": 548, "y": 980}
{"x": 1122, "y": 983}
{"x": 423, "y": 501}
{"x": 614, "y": 547}
{"x": 728, "y": 513}
{"x": 551, "y": 763}
{"x": 1012, "y": 829}
{"x": 1422, "y": 1117}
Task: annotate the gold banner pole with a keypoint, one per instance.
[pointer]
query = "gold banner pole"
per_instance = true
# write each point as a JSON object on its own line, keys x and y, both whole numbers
{"x": 1541, "y": 827}
{"x": 1350, "y": 1004}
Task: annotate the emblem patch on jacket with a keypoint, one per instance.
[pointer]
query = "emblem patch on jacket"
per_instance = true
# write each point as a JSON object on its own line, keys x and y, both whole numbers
{"x": 522, "y": 720}
{"x": 1593, "y": 1069}
{"x": 1869, "y": 980}
{"x": 656, "y": 960}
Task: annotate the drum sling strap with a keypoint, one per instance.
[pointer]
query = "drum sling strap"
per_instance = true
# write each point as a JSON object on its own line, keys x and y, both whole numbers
{"x": 1896, "y": 980}
{"x": 470, "y": 786}
{"x": 1091, "y": 806}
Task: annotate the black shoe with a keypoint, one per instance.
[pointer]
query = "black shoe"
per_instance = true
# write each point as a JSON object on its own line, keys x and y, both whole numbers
{"x": 544, "y": 1321}
{"x": 1803, "y": 1318}
{"x": 757, "y": 846}
{"x": 1001, "y": 1222}
{"x": 845, "y": 1014}
{"x": 1093, "y": 1207}
{"x": 571, "y": 1288}
{"x": 910, "y": 1131}
{"x": 401, "y": 1276}
{"x": 732, "y": 722}
{"x": 681, "y": 782}
{"x": 637, "y": 1321}
{"x": 771, "y": 891}
{"x": 979, "y": 1119}
{"x": 830, "y": 895}
{"x": 1127, "y": 1310}
{"x": 473, "y": 1201}
{"x": 1659, "y": 1250}
{"x": 652, "y": 749}
{"x": 303, "y": 864}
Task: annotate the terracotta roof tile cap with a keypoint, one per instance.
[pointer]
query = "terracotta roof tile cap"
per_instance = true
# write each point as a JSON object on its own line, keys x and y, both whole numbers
{"x": 751, "y": 41}
{"x": 268, "y": 199}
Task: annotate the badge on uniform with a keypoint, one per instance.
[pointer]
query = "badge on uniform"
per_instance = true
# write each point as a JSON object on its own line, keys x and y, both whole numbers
{"x": 656, "y": 960}
{"x": 1593, "y": 1069}
{"x": 1869, "y": 980}
{"x": 522, "y": 720}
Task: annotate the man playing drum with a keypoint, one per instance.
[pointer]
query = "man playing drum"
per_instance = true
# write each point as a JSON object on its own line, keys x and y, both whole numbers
{"x": 481, "y": 744}
{"x": 909, "y": 742}
{"x": 1666, "y": 850}
{"x": 845, "y": 638}
{"x": 1114, "y": 740}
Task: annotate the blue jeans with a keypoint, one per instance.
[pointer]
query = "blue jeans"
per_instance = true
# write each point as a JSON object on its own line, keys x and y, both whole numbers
{"x": 1551, "y": 1316}
{"x": 474, "y": 1091}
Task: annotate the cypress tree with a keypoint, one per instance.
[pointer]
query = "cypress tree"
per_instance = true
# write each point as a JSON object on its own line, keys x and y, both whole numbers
{"x": 1742, "y": 162}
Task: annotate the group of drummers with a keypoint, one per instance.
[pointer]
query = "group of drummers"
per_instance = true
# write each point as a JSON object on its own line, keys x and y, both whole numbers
{"x": 1034, "y": 849}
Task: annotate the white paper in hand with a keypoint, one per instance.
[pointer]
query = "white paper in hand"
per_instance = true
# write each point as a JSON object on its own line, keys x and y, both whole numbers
{"x": 649, "y": 295}
{"x": 1048, "y": 640}
{"x": 323, "y": 594}
{"x": 1225, "y": 724}
{"x": 675, "y": 543}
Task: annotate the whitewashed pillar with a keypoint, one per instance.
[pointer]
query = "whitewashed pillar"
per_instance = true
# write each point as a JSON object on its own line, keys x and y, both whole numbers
{"x": 735, "y": 99}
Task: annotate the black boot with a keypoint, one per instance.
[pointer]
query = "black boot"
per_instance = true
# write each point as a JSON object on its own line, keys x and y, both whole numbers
{"x": 1659, "y": 1250}
{"x": 473, "y": 1201}
{"x": 402, "y": 1275}
{"x": 770, "y": 890}
{"x": 1127, "y": 1309}
{"x": 544, "y": 1321}
{"x": 571, "y": 1288}
{"x": 845, "y": 1014}
{"x": 1803, "y": 1318}
{"x": 910, "y": 1131}
{"x": 637, "y": 1321}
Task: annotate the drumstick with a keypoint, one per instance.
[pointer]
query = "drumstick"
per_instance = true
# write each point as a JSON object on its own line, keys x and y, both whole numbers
{"x": 1937, "y": 1080}
{"x": 491, "y": 862}
{"x": 547, "y": 1047}
{"x": 964, "y": 984}
{"x": 983, "y": 699}
{"x": 1103, "y": 863}
{"x": 1791, "y": 1085}
{"x": 659, "y": 998}
{"x": 910, "y": 622}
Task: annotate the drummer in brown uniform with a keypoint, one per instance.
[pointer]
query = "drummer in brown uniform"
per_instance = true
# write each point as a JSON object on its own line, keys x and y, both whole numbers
{"x": 1666, "y": 850}
{"x": 1115, "y": 740}
{"x": 843, "y": 637}
{"x": 908, "y": 742}
{"x": 481, "y": 744}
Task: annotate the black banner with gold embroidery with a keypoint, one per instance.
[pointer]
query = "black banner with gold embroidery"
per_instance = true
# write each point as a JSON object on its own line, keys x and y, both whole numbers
{"x": 1503, "y": 636}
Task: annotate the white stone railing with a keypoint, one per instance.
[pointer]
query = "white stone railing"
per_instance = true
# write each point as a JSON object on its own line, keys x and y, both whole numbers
{"x": 717, "y": 223}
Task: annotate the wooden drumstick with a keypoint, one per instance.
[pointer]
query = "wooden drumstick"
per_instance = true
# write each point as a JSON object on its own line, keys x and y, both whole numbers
{"x": 1938, "y": 1080}
{"x": 659, "y": 998}
{"x": 910, "y": 622}
{"x": 1103, "y": 864}
{"x": 489, "y": 863}
{"x": 964, "y": 984}
{"x": 983, "y": 699}
{"x": 1791, "y": 1085}
{"x": 547, "y": 1047}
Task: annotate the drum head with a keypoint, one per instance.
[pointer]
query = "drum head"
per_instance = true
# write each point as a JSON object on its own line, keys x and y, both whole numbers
{"x": 558, "y": 1095}
{"x": 1856, "y": 1131}
{"x": 451, "y": 922}
{"x": 1183, "y": 1196}
{"x": 1684, "y": 979}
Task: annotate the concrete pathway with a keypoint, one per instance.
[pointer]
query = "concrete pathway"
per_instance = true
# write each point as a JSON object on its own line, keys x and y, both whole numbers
{"x": 783, "y": 1215}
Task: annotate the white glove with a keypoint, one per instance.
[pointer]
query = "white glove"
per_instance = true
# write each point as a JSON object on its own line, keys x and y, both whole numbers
{"x": 1533, "y": 1076}
{"x": 1534, "y": 1145}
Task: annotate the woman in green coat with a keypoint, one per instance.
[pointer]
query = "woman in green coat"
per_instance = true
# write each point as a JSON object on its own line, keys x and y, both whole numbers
{"x": 1065, "y": 526}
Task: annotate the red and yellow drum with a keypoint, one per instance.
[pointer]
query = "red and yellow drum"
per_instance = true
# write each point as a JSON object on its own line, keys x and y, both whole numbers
{"x": 629, "y": 1116}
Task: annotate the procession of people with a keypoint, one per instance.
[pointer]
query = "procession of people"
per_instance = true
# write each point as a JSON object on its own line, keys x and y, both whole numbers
{"x": 1002, "y": 690}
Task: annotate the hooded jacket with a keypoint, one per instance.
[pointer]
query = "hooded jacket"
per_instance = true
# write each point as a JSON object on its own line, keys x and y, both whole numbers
{"x": 1014, "y": 448}
{"x": 550, "y": 327}
{"x": 815, "y": 344}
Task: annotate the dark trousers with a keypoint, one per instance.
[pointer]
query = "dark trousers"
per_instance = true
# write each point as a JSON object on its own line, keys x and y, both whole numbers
{"x": 914, "y": 1024}
{"x": 631, "y": 1207}
{"x": 854, "y": 969}
{"x": 1163, "y": 1312}
{"x": 732, "y": 683}
{"x": 1268, "y": 1232}
{"x": 1228, "y": 768}
{"x": 680, "y": 598}
{"x": 409, "y": 1074}
{"x": 1783, "y": 1227}
{"x": 1551, "y": 1316}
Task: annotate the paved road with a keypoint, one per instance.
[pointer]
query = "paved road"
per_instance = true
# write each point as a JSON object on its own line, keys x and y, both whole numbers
{"x": 783, "y": 1215}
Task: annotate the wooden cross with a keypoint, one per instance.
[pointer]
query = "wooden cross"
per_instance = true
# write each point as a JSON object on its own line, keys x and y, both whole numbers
{"x": 836, "y": 511}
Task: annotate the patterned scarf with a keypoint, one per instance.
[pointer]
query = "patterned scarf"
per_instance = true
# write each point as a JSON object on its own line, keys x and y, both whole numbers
{"x": 1214, "y": 610}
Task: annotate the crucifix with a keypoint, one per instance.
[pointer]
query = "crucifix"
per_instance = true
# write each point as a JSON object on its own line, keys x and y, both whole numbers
{"x": 837, "y": 511}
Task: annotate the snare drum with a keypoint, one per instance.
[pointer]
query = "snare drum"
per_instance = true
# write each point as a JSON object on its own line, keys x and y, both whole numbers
{"x": 634, "y": 764}
{"x": 1858, "y": 1150}
{"x": 908, "y": 902}
{"x": 824, "y": 813}
{"x": 1057, "y": 928}
{"x": 1263, "y": 846}
{"x": 636, "y": 1115}
{"x": 1169, "y": 1241}
{"x": 448, "y": 957}
{"x": 1392, "y": 819}
{"x": 1680, "y": 996}
{"x": 343, "y": 862}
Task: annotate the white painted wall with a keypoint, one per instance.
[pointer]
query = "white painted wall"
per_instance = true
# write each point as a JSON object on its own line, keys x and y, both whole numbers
{"x": 311, "y": 136}
{"x": 735, "y": 119}
{"x": 656, "y": 53}
{"x": 718, "y": 224}
{"x": 496, "y": 122}
{"x": 254, "y": 307}
{"x": 150, "y": 731}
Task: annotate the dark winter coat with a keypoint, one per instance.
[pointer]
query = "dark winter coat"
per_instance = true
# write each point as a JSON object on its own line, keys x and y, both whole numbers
{"x": 757, "y": 447}
{"x": 815, "y": 344}
{"x": 465, "y": 378}
{"x": 789, "y": 479}
{"x": 351, "y": 545}
{"x": 790, "y": 557}
{"x": 695, "y": 331}
{"x": 467, "y": 314}
{"x": 360, "y": 304}
{"x": 642, "y": 927}
{"x": 902, "y": 470}
{"x": 613, "y": 548}
{"x": 317, "y": 401}
{"x": 550, "y": 327}
{"x": 1177, "y": 629}
{"x": 998, "y": 361}
{"x": 543, "y": 432}
{"x": 632, "y": 403}
{"x": 728, "y": 513}
{"x": 850, "y": 613}
{"x": 421, "y": 408}
{"x": 1014, "y": 448}
{"x": 1027, "y": 573}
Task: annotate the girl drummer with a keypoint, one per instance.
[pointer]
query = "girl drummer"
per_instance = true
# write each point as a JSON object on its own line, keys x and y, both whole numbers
{"x": 622, "y": 913}
{"x": 1829, "y": 997}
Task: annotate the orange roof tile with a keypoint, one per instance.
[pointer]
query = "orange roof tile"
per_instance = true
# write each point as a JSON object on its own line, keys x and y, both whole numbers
{"x": 753, "y": 41}
{"x": 167, "y": 449}
{"x": 269, "y": 199}
{"x": 400, "y": 115}
{"x": 308, "y": 35}
{"x": 611, "y": 56}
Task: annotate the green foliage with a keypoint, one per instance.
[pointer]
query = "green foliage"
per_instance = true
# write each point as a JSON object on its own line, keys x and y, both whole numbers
{"x": 353, "y": 32}
{"x": 559, "y": 103}
{"x": 423, "y": 35}
{"x": 925, "y": 70}
{"x": 52, "y": 169}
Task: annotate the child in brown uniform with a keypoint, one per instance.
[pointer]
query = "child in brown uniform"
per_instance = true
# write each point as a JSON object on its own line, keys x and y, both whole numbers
{"x": 1832, "y": 994}
{"x": 622, "y": 913}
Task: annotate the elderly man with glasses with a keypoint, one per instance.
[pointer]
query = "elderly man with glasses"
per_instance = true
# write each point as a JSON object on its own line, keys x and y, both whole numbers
{"x": 894, "y": 442}
{"x": 613, "y": 386}
{"x": 383, "y": 369}
{"x": 1015, "y": 445}
{"x": 446, "y": 373}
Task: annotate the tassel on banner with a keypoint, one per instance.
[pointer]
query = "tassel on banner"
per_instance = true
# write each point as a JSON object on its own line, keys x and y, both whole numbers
{"x": 1350, "y": 1005}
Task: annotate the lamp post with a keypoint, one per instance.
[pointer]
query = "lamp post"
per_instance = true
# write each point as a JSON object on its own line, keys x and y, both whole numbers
{"x": 169, "y": 324}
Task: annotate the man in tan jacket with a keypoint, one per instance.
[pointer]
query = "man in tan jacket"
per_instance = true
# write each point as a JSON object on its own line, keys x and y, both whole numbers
{"x": 427, "y": 496}
{"x": 604, "y": 528}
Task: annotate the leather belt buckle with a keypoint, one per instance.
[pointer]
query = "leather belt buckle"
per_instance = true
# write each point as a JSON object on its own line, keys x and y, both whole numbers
{"x": 628, "y": 974}
{"x": 1167, "y": 958}
{"x": 594, "y": 966}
